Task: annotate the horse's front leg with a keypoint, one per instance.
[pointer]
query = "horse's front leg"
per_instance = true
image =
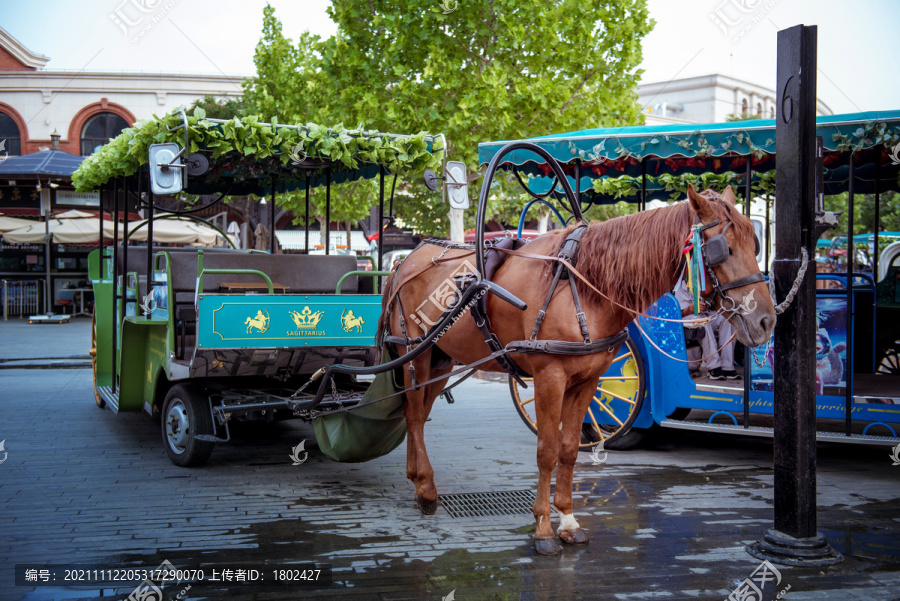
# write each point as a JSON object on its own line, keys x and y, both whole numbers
{"x": 416, "y": 409}
{"x": 574, "y": 407}
{"x": 548, "y": 394}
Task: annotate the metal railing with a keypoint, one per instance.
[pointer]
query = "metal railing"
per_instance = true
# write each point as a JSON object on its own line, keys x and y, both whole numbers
{"x": 19, "y": 297}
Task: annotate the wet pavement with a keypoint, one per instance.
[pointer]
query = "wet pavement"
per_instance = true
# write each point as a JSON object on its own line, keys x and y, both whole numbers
{"x": 668, "y": 521}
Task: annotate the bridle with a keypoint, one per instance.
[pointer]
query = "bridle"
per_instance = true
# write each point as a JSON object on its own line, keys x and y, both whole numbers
{"x": 715, "y": 251}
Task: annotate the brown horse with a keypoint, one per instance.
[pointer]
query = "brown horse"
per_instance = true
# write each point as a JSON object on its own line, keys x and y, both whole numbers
{"x": 632, "y": 260}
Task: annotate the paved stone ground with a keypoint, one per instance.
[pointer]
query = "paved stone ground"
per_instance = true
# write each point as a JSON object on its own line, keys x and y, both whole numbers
{"x": 668, "y": 521}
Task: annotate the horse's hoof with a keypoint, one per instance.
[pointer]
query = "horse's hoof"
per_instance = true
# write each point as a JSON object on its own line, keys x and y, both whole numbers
{"x": 547, "y": 546}
{"x": 426, "y": 507}
{"x": 573, "y": 537}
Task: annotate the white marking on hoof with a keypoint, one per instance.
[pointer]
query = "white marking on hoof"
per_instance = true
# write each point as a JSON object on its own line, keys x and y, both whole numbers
{"x": 567, "y": 521}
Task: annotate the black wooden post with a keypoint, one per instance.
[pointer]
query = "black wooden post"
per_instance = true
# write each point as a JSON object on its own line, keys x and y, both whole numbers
{"x": 643, "y": 184}
{"x": 794, "y": 540}
{"x": 328, "y": 211}
{"x": 115, "y": 285}
{"x": 306, "y": 235}
{"x": 851, "y": 310}
{"x": 380, "y": 219}
{"x": 272, "y": 221}
{"x": 748, "y": 362}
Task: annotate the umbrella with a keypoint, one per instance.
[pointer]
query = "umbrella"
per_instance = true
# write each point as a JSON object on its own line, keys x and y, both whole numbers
{"x": 234, "y": 232}
{"x": 75, "y": 214}
{"x": 175, "y": 230}
{"x": 78, "y": 230}
{"x": 8, "y": 224}
{"x": 262, "y": 237}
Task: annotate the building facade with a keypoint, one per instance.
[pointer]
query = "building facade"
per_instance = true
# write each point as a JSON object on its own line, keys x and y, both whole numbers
{"x": 708, "y": 99}
{"x": 85, "y": 108}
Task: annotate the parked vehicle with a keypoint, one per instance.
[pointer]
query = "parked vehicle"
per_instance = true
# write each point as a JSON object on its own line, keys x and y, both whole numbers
{"x": 200, "y": 337}
{"x": 858, "y": 374}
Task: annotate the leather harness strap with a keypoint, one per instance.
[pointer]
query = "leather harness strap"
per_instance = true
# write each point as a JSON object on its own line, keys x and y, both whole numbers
{"x": 567, "y": 255}
{"x": 565, "y": 347}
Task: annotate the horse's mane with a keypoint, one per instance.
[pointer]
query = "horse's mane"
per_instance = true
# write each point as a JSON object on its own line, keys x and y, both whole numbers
{"x": 633, "y": 259}
{"x": 636, "y": 258}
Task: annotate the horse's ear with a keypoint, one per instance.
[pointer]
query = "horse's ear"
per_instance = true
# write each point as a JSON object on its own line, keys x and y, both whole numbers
{"x": 700, "y": 204}
{"x": 728, "y": 196}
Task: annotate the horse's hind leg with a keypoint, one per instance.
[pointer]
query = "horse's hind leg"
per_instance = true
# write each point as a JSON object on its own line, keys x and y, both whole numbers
{"x": 416, "y": 409}
{"x": 574, "y": 407}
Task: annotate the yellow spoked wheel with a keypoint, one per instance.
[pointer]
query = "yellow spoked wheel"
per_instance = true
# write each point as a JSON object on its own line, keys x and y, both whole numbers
{"x": 100, "y": 402}
{"x": 616, "y": 404}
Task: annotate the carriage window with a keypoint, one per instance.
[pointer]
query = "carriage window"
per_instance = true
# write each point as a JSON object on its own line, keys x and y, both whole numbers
{"x": 758, "y": 229}
{"x": 99, "y": 130}
{"x": 9, "y": 133}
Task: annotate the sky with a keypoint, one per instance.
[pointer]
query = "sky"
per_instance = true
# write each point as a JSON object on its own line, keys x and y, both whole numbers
{"x": 856, "y": 41}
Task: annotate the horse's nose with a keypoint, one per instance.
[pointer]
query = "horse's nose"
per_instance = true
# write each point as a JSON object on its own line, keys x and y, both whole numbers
{"x": 767, "y": 323}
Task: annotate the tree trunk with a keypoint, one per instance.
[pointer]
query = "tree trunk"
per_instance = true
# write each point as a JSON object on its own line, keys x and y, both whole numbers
{"x": 543, "y": 222}
{"x": 323, "y": 227}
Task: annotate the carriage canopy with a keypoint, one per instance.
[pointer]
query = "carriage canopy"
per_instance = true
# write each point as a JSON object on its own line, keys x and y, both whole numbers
{"x": 661, "y": 151}
{"x": 247, "y": 156}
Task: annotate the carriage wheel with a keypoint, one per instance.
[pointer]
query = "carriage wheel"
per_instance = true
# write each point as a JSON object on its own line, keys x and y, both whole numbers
{"x": 93, "y": 352}
{"x": 890, "y": 362}
{"x": 185, "y": 416}
{"x": 619, "y": 396}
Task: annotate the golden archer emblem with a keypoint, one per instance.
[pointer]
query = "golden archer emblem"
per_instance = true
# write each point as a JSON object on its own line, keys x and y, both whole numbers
{"x": 260, "y": 323}
{"x": 350, "y": 321}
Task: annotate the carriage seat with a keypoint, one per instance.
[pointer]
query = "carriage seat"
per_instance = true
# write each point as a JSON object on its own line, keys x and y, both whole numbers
{"x": 300, "y": 274}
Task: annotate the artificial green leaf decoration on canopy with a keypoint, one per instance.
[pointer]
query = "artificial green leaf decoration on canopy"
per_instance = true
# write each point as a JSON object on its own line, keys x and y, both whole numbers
{"x": 248, "y": 156}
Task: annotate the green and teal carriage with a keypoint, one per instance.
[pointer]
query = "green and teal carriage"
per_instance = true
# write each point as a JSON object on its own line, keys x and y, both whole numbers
{"x": 198, "y": 337}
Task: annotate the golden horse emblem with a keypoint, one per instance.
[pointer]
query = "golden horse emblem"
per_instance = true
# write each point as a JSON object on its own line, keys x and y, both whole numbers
{"x": 350, "y": 321}
{"x": 260, "y": 323}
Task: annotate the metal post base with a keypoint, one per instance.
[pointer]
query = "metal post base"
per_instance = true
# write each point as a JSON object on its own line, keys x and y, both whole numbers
{"x": 784, "y": 549}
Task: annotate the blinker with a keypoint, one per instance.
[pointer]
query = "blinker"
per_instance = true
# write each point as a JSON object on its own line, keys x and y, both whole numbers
{"x": 716, "y": 250}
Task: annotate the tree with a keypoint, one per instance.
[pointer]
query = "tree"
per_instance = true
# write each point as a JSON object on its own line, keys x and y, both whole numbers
{"x": 741, "y": 117}
{"x": 506, "y": 69}
{"x": 225, "y": 108}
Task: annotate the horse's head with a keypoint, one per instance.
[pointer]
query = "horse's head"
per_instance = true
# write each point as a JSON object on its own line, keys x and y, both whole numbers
{"x": 730, "y": 249}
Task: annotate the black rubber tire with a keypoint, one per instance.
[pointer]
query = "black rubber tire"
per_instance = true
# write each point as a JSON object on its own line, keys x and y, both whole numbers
{"x": 186, "y": 414}
{"x": 621, "y": 438}
{"x": 629, "y": 440}
{"x": 93, "y": 352}
{"x": 889, "y": 362}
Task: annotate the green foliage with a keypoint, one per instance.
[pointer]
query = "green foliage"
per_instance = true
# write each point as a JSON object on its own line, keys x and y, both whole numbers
{"x": 605, "y": 212}
{"x": 864, "y": 212}
{"x": 225, "y": 108}
{"x": 741, "y": 117}
{"x": 508, "y": 69}
{"x": 269, "y": 150}
{"x": 866, "y": 136}
{"x": 629, "y": 188}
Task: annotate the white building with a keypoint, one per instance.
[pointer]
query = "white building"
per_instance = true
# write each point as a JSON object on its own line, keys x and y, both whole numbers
{"x": 708, "y": 99}
{"x": 85, "y": 108}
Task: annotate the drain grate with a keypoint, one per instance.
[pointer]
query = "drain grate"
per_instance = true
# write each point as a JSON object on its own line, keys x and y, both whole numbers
{"x": 479, "y": 504}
